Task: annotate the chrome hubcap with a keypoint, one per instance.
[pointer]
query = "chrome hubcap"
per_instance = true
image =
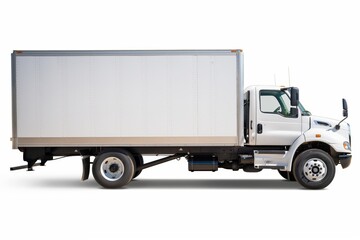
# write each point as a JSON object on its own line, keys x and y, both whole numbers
{"x": 112, "y": 168}
{"x": 315, "y": 169}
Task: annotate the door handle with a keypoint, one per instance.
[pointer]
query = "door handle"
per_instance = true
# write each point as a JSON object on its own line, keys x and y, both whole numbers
{"x": 251, "y": 123}
{"x": 259, "y": 128}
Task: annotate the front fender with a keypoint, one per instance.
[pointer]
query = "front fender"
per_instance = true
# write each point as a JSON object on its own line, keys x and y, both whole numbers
{"x": 328, "y": 136}
{"x": 290, "y": 154}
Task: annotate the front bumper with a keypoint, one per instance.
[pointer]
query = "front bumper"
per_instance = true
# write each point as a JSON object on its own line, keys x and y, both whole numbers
{"x": 345, "y": 160}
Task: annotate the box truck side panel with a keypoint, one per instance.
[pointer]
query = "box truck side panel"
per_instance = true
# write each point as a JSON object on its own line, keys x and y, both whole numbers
{"x": 138, "y": 100}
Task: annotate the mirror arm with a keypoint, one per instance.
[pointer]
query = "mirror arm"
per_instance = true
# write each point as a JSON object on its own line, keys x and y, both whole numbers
{"x": 337, "y": 126}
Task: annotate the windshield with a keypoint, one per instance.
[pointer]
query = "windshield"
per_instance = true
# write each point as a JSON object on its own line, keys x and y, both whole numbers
{"x": 304, "y": 112}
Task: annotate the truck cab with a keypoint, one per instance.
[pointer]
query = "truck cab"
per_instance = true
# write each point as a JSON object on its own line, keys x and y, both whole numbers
{"x": 287, "y": 137}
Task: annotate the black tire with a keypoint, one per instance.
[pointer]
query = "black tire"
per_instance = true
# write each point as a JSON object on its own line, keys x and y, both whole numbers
{"x": 137, "y": 158}
{"x": 287, "y": 175}
{"x": 139, "y": 161}
{"x": 113, "y": 169}
{"x": 314, "y": 169}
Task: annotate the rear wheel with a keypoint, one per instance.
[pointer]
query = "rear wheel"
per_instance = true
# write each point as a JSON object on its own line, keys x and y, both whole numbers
{"x": 287, "y": 175}
{"x": 314, "y": 169}
{"x": 113, "y": 169}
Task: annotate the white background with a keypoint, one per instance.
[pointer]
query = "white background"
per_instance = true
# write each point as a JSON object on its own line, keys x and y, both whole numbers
{"x": 317, "y": 40}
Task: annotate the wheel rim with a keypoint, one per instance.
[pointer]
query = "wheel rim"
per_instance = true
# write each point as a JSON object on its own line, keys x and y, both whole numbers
{"x": 112, "y": 168}
{"x": 315, "y": 169}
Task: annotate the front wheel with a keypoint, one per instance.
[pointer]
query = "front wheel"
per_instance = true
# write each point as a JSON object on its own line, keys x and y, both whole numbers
{"x": 314, "y": 169}
{"x": 113, "y": 169}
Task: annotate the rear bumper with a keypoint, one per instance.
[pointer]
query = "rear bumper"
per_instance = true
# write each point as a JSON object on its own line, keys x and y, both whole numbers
{"x": 345, "y": 160}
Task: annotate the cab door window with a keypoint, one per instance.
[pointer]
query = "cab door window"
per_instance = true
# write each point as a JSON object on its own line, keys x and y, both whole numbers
{"x": 275, "y": 102}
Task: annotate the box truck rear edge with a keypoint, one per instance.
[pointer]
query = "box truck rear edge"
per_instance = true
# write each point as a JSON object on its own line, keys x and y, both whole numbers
{"x": 117, "y": 106}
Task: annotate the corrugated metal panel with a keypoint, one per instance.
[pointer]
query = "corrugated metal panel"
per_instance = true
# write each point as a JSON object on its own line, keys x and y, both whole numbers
{"x": 149, "y": 95}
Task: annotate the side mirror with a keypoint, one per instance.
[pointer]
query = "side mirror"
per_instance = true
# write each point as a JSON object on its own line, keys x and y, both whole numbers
{"x": 294, "y": 92}
{"x": 345, "y": 108}
{"x": 345, "y": 113}
{"x": 294, "y": 112}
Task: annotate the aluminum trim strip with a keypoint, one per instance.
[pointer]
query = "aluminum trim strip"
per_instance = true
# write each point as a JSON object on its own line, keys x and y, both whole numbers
{"x": 126, "y": 141}
{"x": 124, "y": 52}
{"x": 14, "y": 138}
{"x": 240, "y": 93}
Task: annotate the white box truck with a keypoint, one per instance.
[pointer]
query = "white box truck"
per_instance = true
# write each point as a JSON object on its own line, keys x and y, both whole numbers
{"x": 117, "y": 106}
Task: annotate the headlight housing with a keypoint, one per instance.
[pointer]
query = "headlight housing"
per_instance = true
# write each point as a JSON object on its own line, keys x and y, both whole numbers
{"x": 347, "y": 146}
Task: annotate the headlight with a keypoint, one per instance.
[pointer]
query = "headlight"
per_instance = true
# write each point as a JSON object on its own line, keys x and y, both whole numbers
{"x": 347, "y": 146}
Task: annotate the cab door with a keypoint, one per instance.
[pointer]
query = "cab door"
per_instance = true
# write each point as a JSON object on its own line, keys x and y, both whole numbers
{"x": 276, "y": 123}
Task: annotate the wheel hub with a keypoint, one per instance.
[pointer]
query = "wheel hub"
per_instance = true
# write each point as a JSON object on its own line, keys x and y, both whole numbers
{"x": 315, "y": 169}
{"x": 112, "y": 168}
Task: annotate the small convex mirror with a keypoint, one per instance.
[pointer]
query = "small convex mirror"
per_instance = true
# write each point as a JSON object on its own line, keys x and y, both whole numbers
{"x": 345, "y": 108}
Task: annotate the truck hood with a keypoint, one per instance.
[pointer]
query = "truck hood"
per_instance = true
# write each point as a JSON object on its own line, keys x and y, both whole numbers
{"x": 322, "y": 122}
{"x": 329, "y": 125}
